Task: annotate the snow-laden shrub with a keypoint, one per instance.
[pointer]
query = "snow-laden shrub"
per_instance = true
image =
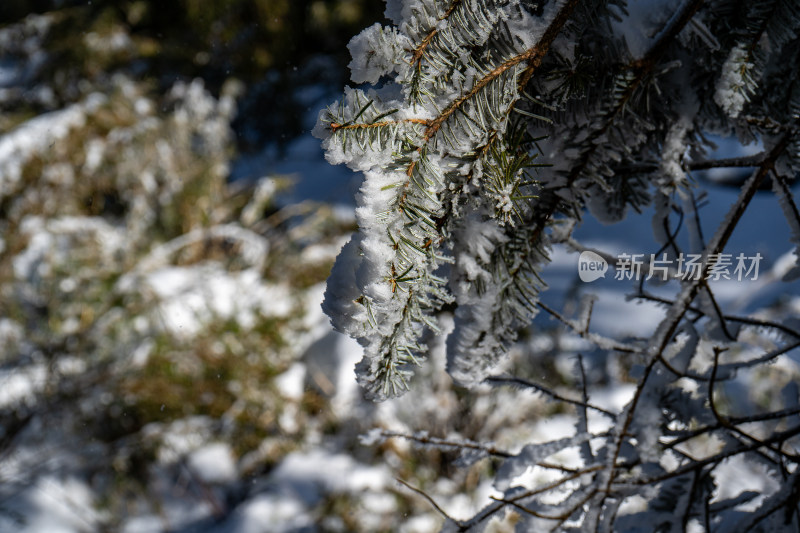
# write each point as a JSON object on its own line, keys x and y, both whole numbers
{"x": 490, "y": 128}
{"x": 147, "y": 309}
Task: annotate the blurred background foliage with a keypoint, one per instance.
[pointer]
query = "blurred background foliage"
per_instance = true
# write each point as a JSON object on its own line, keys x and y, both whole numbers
{"x": 276, "y": 47}
{"x": 120, "y": 227}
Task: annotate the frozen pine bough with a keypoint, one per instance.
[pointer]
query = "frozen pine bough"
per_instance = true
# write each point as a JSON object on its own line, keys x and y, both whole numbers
{"x": 487, "y": 131}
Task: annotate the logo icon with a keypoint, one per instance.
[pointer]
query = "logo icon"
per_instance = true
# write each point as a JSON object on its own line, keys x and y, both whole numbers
{"x": 591, "y": 266}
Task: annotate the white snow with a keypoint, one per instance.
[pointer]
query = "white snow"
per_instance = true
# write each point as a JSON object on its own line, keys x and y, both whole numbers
{"x": 306, "y": 475}
{"x": 732, "y": 89}
{"x": 180, "y": 437}
{"x": 144, "y": 524}
{"x": 376, "y": 52}
{"x": 290, "y": 383}
{"x": 190, "y": 297}
{"x": 54, "y": 505}
{"x": 273, "y": 513}
{"x": 35, "y": 136}
{"x": 20, "y": 385}
{"x": 214, "y": 463}
{"x": 736, "y": 475}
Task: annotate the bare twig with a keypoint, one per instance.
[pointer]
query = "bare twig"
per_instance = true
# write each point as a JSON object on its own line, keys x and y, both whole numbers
{"x": 512, "y": 380}
{"x": 427, "y": 497}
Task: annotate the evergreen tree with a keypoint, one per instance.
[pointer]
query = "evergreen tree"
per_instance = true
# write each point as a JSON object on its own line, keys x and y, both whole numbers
{"x": 489, "y": 127}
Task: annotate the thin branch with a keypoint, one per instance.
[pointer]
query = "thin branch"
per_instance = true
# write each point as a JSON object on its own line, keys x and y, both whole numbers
{"x": 723, "y": 420}
{"x": 335, "y": 126}
{"x": 791, "y": 206}
{"x": 767, "y": 357}
{"x": 717, "y": 458}
{"x": 583, "y": 423}
{"x": 489, "y": 511}
{"x": 419, "y": 51}
{"x": 684, "y": 436}
{"x": 668, "y": 326}
{"x": 728, "y": 162}
{"x": 561, "y": 516}
{"x": 718, "y": 312}
{"x": 435, "y": 441}
{"x": 429, "y": 499}
{"x": 696, "y": 215}
{"x": 593, "y": 337}
{"x": 513, "y": 380}
{"x": 732, "y": 318}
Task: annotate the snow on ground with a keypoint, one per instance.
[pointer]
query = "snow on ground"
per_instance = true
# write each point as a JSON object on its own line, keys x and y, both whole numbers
{"x": 272, "y": 512}
{"x": 213, "y": 463}
{"x": 307, "y": 475}
{"x": 191, "y": 297}
{"x": 51, "y": 505}
{"x": 20, "y": 385}
{"x": 36, "y": 136}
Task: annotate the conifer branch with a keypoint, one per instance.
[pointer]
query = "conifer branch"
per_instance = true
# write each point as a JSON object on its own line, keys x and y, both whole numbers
{"x": 639, "y": 69}
{"x": 336, "y": 127}
{"x": 419, "y": 51}
{"x": 533, "y": 56}
{"x": 457, "y": 183}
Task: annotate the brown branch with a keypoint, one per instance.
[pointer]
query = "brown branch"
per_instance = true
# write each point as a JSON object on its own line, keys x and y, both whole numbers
{"x": 335, "y": 126}
{"x": 419, "y": 51}
{"x": 430, "y": 500}
{"x": 533, "y": 56}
